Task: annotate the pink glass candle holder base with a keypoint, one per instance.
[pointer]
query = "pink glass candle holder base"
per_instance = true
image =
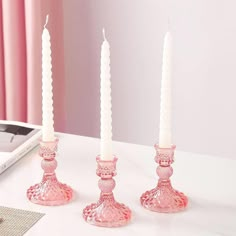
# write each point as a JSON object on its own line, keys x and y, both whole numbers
{"x": 107, "y": 212}
{"x": 164, "y": 198}
{"x": 49, "y": 191}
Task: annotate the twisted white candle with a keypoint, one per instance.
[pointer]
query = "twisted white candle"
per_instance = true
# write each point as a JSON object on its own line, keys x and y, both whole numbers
{"x": 106, "y": 113}
{"x": 47, "y": 95}
{"x": 165, "y": 108}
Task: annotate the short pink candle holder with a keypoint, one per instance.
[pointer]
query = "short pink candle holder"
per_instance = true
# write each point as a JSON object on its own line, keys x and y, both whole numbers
{"x": 107, "y": 212}
{"x": 49, "y": 191}
{"x": 164, "y": 198}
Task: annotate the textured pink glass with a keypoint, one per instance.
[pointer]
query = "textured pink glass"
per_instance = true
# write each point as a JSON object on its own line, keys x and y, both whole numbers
{"x": 107, "y": 212}
{"x": 164, "y": 198}
{"x": 49, "y": 191}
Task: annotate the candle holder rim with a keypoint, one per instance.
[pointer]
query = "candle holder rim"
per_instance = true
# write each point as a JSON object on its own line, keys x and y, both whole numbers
{"x": 98, "y": 158}
{"x": 42, "y": 141}
{"x": 173, "y": 146}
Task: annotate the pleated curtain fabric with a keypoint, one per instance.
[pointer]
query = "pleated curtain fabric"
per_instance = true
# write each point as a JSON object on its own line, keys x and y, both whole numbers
{"x": 21, "y": 25}
{"x": 2, "y": 80}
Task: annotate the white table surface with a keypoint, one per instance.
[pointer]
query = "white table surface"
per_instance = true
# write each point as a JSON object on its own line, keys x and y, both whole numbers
{"x": 209, "y": 182}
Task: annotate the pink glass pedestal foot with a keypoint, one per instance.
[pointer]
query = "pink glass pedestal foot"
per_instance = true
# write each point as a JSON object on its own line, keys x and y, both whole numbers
{"x": 164, "y": 198}
{"x": 107, "y": 212}
{"x": 49, "y": 191}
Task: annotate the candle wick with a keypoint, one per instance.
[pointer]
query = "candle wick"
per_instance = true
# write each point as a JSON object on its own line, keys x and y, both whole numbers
{"x": 46, "y": 21}
{"x": 103, "y": 32}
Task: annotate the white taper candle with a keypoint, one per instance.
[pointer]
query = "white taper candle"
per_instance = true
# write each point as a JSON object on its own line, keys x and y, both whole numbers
{"x": 47, "y": 95}
{"x": 106, "y": 113}
{"x": 165, "y": 107}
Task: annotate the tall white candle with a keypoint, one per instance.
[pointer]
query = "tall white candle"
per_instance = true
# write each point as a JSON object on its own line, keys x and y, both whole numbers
{"x": 47, "y": 95}
{"x": 165, "y": 107}
{"x": 106, "y": 114}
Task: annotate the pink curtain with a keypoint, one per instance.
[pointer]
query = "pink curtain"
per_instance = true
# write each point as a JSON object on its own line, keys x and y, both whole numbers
{"x": 21, "y": 27}
{"x": 2, "y": 81}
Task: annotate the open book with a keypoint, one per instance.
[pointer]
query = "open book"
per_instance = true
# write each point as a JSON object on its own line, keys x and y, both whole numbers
{"x": 16, "y": 139}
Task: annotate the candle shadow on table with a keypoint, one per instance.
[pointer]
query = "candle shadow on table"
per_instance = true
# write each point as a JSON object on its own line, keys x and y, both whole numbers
{"x": 87, "y": 199}
{"x": 200, "y": 218}
{"x": 218, "y": 218}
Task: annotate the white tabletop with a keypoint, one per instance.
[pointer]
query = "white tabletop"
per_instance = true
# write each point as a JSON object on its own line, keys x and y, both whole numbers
{"x": 209, "y": 182}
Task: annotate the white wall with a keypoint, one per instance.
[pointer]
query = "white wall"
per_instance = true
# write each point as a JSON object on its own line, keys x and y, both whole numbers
{"x": 204, "y": 73}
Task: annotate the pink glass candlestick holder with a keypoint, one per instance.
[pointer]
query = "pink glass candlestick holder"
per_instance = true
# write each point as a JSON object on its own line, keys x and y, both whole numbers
{"x": 164, "y": 198}
{"x": 107, "y": 212}
{"x": 49, "y": 191}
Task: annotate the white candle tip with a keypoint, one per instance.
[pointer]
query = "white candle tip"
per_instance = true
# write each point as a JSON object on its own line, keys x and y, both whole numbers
{"x": 47, "y": 16}
{"x": 104, "y": 35}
